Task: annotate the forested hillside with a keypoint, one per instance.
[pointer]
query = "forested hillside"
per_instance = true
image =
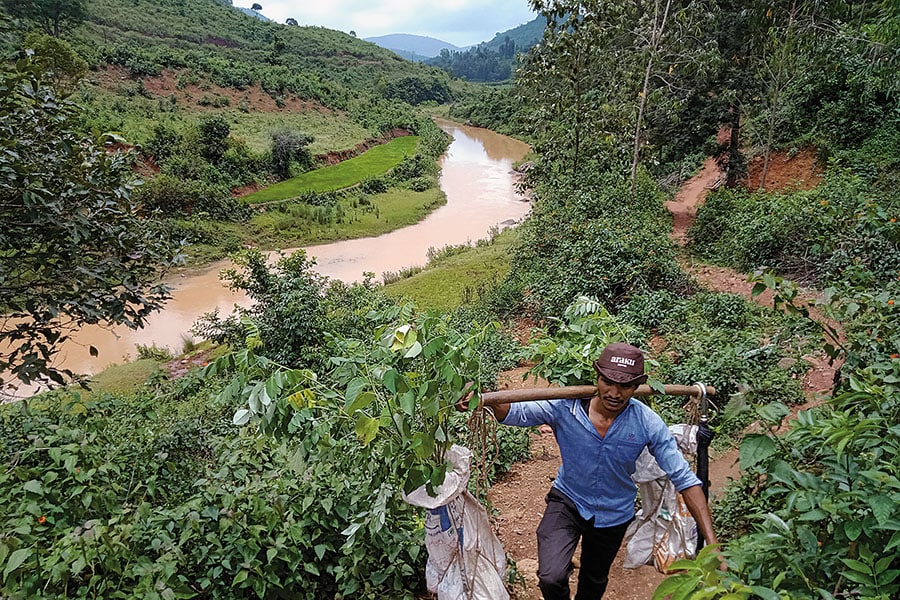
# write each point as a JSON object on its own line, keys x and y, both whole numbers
{"x": 276, "y": 468}
{"x": 494, "y": 60}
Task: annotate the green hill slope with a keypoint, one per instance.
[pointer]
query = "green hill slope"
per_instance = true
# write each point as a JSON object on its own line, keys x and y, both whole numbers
{"x": 212, "y": 41}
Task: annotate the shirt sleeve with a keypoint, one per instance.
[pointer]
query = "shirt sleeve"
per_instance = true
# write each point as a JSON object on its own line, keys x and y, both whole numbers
{"x": 670, "y": 459}
{"x": 529, "y": 414}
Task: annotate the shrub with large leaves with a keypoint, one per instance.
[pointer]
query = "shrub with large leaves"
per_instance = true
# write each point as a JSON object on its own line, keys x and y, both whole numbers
{"x": 72, "y": 249}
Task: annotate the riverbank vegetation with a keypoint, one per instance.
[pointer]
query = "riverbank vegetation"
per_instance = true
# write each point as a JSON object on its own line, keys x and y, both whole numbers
{"x": 277, "y": 467}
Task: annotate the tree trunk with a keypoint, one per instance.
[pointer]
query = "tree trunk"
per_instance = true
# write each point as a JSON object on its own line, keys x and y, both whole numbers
{"x": 659, "y": 26}
{"x": 734, "y": 168}
{"x": 640, "y": 118}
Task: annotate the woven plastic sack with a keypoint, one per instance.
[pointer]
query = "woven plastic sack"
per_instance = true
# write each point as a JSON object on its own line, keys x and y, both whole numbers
{"x": 465, "y": 559}
{"x": 663, "y": 530}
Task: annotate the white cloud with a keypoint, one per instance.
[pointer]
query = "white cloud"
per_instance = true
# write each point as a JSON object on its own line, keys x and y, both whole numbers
{"x": 460, "y": 22}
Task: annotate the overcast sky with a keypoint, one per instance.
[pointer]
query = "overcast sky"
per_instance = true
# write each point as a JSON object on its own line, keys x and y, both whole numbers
{"x": 460, "y": 22}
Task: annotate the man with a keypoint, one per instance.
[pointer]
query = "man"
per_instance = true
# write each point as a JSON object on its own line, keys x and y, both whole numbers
{"x": 593, "y": 495}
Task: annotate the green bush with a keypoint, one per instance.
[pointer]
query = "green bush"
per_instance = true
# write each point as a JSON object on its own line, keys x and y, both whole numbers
{"x": 148, "y": 499}
{"x": 420, "y": 184}
{"x": 598, "y": 240}
{"x": 373, "y": 185}
{"x": 814, "y": 237}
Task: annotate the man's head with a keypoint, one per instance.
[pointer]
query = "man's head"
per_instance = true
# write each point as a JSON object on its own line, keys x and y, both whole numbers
{"x": 621, "y": 364}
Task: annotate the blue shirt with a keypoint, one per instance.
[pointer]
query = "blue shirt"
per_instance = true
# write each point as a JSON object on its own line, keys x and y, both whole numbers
{"x": 596, "y": 471}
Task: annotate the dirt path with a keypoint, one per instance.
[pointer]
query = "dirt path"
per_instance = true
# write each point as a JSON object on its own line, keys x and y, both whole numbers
{"x": 519, "y": 498}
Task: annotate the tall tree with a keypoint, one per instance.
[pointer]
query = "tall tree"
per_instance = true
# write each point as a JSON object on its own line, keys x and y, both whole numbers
{"x": 51, "y": 15}
{"x": 604, "y": 67}
{"x": 72, "y": 249}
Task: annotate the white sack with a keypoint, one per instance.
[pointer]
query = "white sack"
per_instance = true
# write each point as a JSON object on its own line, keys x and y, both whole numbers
{"x": 465, "y": 559}
{"x": 663, "y": 530}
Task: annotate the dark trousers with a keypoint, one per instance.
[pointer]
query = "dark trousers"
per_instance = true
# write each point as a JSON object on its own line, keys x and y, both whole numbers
{"x": 558, "y": 535}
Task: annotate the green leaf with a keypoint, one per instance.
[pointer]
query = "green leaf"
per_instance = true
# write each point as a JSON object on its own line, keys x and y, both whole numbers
{"x": 408, "y": 403}
{"x": 894, "y": 542}
{"x": 755, "y": 448}
{"x": 656, "y": 385}
{"x": 857, "y": 577}
{"x": 361, "y": 402}
{"x": 758, "y": 289}
{"x": 320, "y": 549}
{"x": 242, "y": 576}
{"x": 852, "y": 529}
{"x": 882, "y": 507}
{"x": 737, "y": 404}
{"x": 773, "y": 412}
{"x": 390, "y": 379}
{"x": 241, "y": 417}
{"x": 354, "y": 388}
{"x": 33, "y": 486}
{"x": 414, "y": 350}
{"x": 15, "y": 560}
{"x": 423, "y": 445}
{"x": 883, "y": 563}
{"x": 366, "y": 428}
{"x": 856, "y": 565}
{"x": 431, "y": 405}
{"x": 677, "y": 586}
{"x": 311, "y": 568}
{"x": 434, "y": 346}
{"x": 765, "y": 593}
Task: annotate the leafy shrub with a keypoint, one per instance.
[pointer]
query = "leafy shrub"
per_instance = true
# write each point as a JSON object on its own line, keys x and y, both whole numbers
{"x": 164, "y": 142}
{"x": 565, "y": 357}
{"x": 814, "y": 237}
{"x": 416, "y": 89}
{"x": 154, "y": 499}
{"x": 288, "y": 306}
{"x": 653, "y": 310}
{"x": 212, "y": 140}
{"x": 411, "y": 167}
{"x": 373, "y": 185}
{"x": 597, "y": 240}
{"x": 200, "y": 231}
{"x": 729, "y": 311}
{"x": 154, "y": 352}
{"x": 830, "y": 482}
{"x": 290, "y": 148}
{"x": 420, "y": 184}
{"x": 173, "y": 197}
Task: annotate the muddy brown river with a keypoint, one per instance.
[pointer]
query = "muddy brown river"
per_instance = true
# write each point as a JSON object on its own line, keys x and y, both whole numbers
{"x": 477, "y": 177}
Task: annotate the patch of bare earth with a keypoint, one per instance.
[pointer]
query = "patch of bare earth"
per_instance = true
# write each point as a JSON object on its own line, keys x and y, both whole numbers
{"x": 519, "y": 497}
{"x": 165, "y": 85}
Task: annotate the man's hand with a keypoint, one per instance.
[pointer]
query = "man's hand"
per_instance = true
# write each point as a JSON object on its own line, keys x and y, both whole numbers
{"x": 462, "y": 405}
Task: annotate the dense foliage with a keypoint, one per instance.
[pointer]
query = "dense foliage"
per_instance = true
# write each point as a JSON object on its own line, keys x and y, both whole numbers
{"x": 158, "y": 496}
{"x": 817, "y": 237}
{"x": 73, "y": 249}
{"x": 592, "y": 237}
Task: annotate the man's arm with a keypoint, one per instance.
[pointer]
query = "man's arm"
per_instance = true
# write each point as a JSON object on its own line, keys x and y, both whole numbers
{"x": 696, "y": 503}
{"x": 498, "y": 410}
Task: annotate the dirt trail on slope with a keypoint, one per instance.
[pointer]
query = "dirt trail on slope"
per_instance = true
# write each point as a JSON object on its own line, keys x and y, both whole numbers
{"x": 519, "y": 498}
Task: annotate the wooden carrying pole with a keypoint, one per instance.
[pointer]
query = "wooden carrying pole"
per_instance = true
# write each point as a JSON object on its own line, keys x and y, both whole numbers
{"x": 581, "y": 391}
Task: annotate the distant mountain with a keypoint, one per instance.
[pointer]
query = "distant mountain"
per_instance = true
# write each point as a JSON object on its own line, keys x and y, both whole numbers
{"x": 413, "y": 47}
{"x": 525, "y": 36}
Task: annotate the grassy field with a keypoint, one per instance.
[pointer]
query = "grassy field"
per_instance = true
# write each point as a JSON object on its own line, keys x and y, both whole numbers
{"x": 377, "y": 161}
{"x": 443, "y": 284}
{"x": 297, "y": 225}
{"x": 330, "y": 131}
{"x": 134, "y": 117}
